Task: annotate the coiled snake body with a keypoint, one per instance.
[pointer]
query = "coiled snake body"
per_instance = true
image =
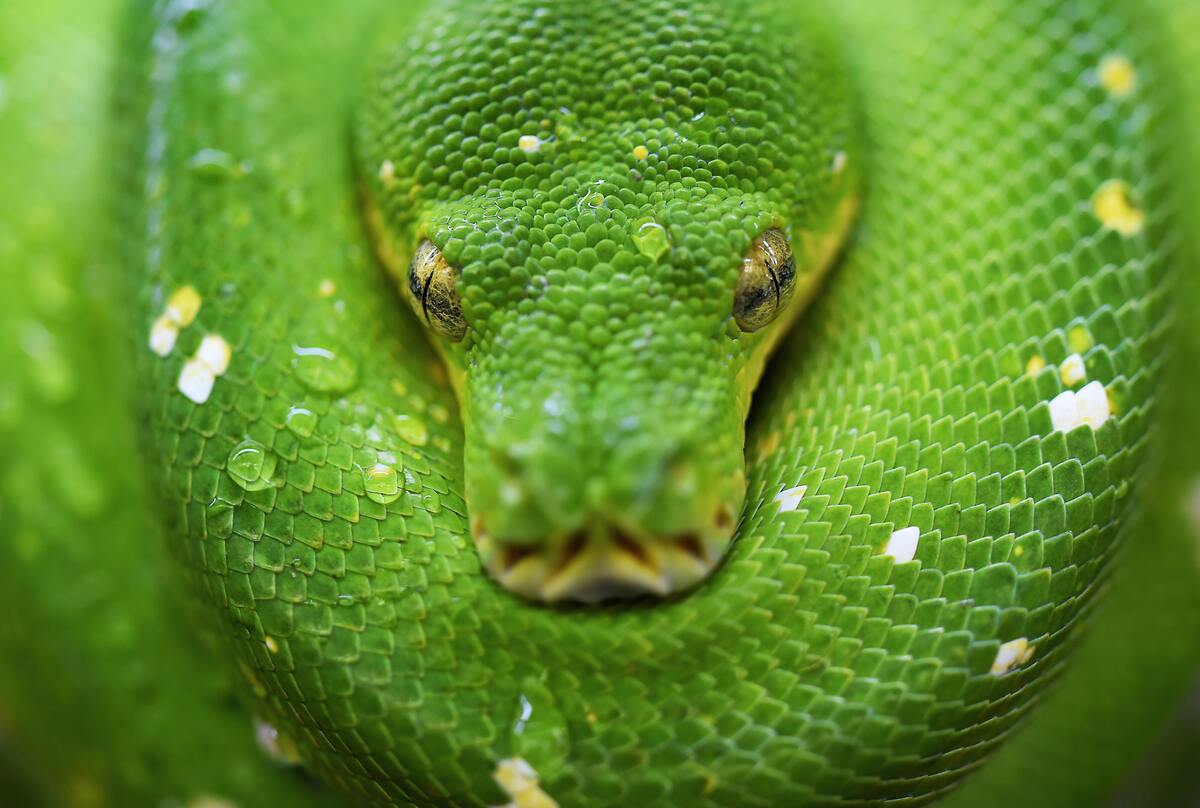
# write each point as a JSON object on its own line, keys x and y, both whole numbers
{"x": 603, "y": 217}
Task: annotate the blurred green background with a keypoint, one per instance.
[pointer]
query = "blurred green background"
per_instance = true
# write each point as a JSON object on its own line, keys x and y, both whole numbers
{"x": 88, "y": 719}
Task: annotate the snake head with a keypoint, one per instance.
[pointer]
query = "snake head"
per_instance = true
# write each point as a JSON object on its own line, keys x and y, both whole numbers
{"x": 604, "y": 264}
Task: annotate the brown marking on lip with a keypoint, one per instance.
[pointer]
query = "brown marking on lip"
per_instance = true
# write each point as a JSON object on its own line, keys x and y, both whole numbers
{"x": 633, "y": 548}
{"x": 572, "y": 549}
{"x": 691, "y": 545}
{"x": 513, "y": 555}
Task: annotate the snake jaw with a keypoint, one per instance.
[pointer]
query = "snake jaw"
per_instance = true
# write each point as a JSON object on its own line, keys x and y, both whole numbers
{"x": 601, "y": 563}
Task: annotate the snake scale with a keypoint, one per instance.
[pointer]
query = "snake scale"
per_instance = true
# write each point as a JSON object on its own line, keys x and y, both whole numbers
{"x": 429, "y": 315}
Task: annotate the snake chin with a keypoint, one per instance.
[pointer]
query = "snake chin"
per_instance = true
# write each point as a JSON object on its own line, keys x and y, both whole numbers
{"x": 602, "y": 563}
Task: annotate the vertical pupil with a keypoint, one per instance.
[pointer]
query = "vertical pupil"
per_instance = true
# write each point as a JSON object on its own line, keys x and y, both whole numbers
{"x": 765, "y": 284}
{"x": 433, "y": 294}
{"x": 418, "y": 283}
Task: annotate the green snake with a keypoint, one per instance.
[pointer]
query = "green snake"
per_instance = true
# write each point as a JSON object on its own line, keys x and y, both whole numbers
{"x": 572, "y": 404}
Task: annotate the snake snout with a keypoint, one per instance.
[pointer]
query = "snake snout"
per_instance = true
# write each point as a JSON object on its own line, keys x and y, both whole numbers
{"x": 623, "y": 543}
{"x": 591, "y": 496}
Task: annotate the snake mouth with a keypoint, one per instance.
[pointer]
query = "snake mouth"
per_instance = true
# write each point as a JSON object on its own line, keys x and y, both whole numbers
{"x": 602, "y": 562}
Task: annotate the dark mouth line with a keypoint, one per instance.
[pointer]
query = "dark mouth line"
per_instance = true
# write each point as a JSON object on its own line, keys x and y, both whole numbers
{"x": 689, "y": 543}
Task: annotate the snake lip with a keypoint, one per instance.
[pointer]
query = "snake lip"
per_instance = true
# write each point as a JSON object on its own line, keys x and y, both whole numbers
{"x": 600, "y": 563}
{"x": 691, "y": 545}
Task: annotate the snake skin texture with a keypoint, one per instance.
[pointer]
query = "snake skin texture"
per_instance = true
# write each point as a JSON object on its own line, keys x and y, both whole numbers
{"x": 940, "y": 458}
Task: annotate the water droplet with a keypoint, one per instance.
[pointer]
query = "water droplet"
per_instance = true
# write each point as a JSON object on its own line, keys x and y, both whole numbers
{"x": 411, "y": 430}
{"x": 590, "y": 200}
{"x": 381, "y": 483}
{"x": 411, "y": 482}
{"x": 302, "y": 421}
{"x": 539, "y": 730}
{"x": 278, "y": 747}
{"x": 216, "y": 164}
{"x": 251, "y": 465}
{"x": 652, "y": 240}
{"x": 323, "y": 370}
{"x": 566, "y": 127}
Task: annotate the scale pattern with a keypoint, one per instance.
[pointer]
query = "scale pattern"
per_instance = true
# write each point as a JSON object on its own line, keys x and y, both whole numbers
{"x": 309, "y": 447}
{"x": 596, "y": 181}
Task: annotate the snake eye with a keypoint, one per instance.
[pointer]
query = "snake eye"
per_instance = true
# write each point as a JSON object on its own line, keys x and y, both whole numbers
{"x": 765, "y": 285}
{"x": 432, "y": 293}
